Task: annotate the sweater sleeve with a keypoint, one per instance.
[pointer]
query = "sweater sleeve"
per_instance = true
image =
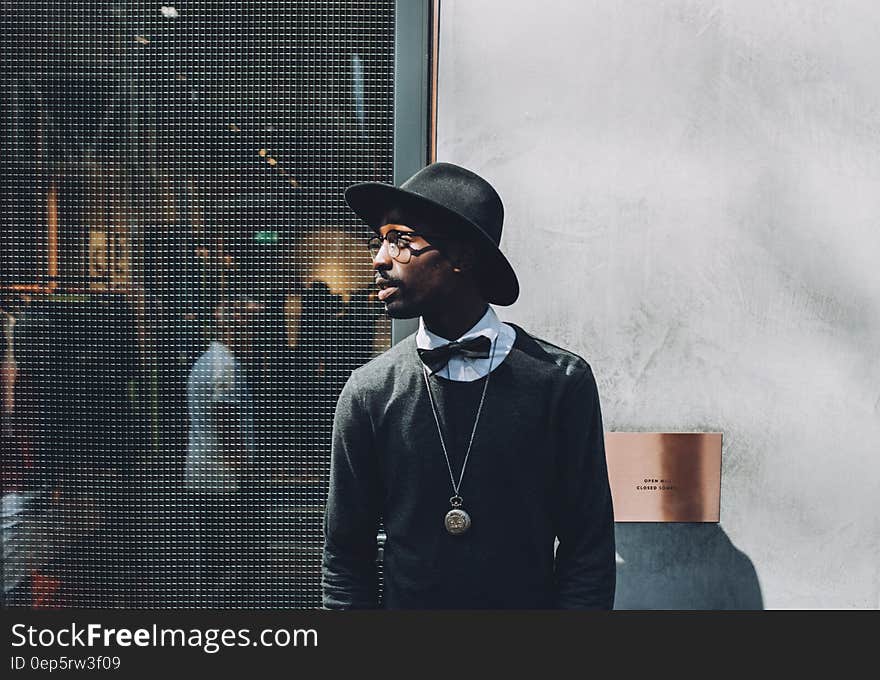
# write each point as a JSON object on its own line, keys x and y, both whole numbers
{"x": 349, "y": 576}
{"x": 585, "y": 572}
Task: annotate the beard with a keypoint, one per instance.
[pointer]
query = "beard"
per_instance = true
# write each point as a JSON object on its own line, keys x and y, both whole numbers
{"x": 400, "y": 310}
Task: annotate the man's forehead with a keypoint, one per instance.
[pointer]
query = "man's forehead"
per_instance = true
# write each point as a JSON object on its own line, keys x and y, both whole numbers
{"x": 392, "y": 226}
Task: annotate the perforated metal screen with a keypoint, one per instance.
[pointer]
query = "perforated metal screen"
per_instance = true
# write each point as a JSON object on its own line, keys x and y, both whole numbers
{"x": 184, "y": 291}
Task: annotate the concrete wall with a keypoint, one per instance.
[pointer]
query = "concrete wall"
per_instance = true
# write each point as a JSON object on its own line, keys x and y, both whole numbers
{"x": 693, "y": 204}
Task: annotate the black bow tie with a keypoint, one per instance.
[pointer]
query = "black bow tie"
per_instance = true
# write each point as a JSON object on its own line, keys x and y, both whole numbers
{"x": 436, "y": 359}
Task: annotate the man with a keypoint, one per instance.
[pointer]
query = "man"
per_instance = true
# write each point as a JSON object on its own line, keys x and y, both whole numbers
{"x": 221, "y": 446}
{"x": 476, "y": 458}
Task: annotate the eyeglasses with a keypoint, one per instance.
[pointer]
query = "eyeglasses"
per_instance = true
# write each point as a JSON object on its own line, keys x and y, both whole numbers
{"x": 399, "y": 245}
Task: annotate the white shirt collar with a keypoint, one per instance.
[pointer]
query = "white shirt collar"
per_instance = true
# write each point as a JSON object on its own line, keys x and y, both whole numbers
{"x": 465, "y": 369}
{"x": 488, "y": 325}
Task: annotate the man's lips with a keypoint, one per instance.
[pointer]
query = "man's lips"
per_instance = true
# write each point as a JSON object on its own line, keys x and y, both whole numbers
{"x": 387, "y": 288}
{"x": 386, "y": 293}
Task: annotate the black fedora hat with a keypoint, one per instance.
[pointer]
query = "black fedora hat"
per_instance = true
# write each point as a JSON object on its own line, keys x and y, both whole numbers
{"x": 449, "y": 200}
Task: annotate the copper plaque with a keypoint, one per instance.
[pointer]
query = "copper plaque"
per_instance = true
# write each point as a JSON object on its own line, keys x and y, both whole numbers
{"x": 665, "y": 477}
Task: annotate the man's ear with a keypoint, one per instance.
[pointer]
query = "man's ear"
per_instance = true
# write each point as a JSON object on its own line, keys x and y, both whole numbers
{"x": 465, "y": 258}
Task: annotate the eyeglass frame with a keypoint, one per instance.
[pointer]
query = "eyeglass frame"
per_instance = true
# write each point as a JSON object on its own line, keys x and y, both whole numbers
{"x": 376, "y": 242}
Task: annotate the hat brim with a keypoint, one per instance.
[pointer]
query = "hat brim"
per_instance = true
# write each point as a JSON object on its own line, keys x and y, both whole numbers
{"x": 379, "y": 204}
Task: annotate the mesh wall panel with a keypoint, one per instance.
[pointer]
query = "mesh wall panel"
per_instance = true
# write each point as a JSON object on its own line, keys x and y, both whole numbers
{"x": 184, "y": 291}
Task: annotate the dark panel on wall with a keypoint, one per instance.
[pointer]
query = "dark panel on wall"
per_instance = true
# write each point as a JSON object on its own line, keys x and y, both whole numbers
{"x": 184, "y": 291}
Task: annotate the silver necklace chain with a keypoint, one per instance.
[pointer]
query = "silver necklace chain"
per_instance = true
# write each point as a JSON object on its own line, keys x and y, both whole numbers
{"x": 456, "y": 487}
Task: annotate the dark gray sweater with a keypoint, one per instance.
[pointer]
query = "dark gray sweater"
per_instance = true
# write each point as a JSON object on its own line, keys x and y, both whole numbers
{"x": 536, "y": 473}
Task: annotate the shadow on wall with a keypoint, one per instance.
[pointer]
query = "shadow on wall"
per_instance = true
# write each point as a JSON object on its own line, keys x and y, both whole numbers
{"x": 682, "y": 566}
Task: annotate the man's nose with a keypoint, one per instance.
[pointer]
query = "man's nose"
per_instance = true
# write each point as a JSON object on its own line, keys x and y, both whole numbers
{"x": 382, "y": 259}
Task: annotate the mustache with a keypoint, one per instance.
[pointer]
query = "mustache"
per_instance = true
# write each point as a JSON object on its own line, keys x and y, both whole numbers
{"x": 385, "y": 282}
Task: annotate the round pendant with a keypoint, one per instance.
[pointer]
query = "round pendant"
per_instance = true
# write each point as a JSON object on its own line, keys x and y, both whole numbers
{"x": 457, "y": 521}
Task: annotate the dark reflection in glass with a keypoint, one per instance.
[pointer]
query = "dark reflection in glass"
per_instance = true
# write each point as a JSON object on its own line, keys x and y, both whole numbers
{"x": 73, "y": 440}
{"x": 184, "y": 293}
